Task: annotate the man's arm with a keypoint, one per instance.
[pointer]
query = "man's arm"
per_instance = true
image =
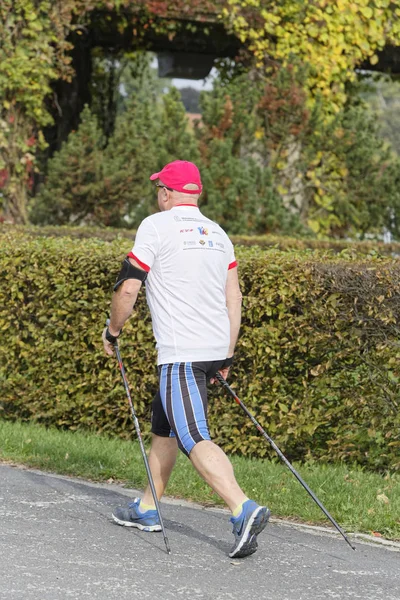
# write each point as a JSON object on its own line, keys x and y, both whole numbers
{"x": 234, "y": 304}
{"x": 122, "y": 304}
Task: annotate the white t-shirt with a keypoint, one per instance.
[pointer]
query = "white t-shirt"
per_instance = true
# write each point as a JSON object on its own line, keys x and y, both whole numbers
{"x": 187, "y": 257}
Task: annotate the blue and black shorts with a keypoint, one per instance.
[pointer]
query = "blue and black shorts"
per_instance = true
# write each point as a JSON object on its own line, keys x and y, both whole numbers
{"x": 180, "y": 405}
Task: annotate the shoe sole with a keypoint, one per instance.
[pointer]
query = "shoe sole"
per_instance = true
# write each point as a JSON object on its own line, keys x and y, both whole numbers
{"x": 248, "y": 544}
{"x": 137, "y": 525}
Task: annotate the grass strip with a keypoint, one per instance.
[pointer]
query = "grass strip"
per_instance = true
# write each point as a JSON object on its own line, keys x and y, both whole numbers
{"x": 360, "y": 501}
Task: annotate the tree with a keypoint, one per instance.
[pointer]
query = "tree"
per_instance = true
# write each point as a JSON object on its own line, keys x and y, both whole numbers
{"x": 332, "y": 37}
{"x": 239, "y": 191}
{"x": 239, "y": 194}
{"x": 151, "y": 132}
{"x": 176, "y": 142}
{"x": 117, "y": 77}
{"x": 90, "y": 183}
{"x": 270, "y": 159}
{"x": 371, "y": 188}
{"x": 71, "y": 192}
{"x": 336, "y": 175}
{"x": 130, "y": 158}
{"x": 349, "y": 176}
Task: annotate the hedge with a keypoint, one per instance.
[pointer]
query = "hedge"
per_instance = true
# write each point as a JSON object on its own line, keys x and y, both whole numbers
{"x": 317, "y": 361}
{"x": 109, "y": 234}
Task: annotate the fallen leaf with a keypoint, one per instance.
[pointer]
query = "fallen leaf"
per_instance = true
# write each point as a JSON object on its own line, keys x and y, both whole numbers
{"x": 347, "y": 478}
{"x": 383, "y": 498}
{"x": 111, "y": 480}
{"x": 376, "y": 534}
{"x": 67, "y": 456}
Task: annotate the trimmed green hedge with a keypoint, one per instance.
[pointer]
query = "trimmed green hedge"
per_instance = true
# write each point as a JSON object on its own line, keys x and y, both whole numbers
{"x": 318, "y": 361}
{"x": 109, "y": 234}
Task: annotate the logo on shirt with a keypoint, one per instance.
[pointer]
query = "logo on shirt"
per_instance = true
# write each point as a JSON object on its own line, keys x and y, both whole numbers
{"x": 185, "y": 230}
{"x": 202, "y": 242}
{"x": 203, "y": 230}
{"x": 210, "y": 244}
{"x": 189, "y": 243}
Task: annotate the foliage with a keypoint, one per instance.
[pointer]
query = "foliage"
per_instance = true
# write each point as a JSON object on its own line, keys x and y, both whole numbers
{"x": 317, "y": 361}
{"x": 351, "y": 176}
{"x": 175, "y": 140}
{"x": 118, "y": 77}
{"x": 333, "y": 38}
{"x": 336, "y": 176}
{"x": 347, "y": 248}
{"x": 238, "y": 181}
{"x": 32, "y": 54}
{"x": 128, "y": 160}
{"x": 383, "y": 96}
{"x": 268, "y": 163}
{"x": 328, "y": 41}
{"x": 87, "y": 183}
{"x": 73, "y": 188}
{"x": 313, "y": 138}
{"x": 149, "y": 133}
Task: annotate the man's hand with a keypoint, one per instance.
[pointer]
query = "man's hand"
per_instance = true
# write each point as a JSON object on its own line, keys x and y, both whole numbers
{"x": 224, "y": 372}
{"x": 108, "y": 346}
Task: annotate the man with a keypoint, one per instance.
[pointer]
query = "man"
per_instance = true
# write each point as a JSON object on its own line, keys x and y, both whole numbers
{"x": 194, "y": 298}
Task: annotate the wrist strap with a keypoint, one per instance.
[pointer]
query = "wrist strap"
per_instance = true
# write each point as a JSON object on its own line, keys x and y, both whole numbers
{"x": 112, "y": 338}
{"x": 228, "y": 362}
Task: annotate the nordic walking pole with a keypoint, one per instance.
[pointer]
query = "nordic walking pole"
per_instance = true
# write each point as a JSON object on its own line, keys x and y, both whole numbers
{"x": 139, "y": 435}
{"x": 281, "y": 456}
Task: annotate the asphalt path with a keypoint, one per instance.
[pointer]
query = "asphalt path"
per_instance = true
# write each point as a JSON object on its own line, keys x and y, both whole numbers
{"x": 58, "y": 541}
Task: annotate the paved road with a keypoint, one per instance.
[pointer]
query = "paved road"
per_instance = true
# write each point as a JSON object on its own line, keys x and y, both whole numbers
{"x": 57, "y": 541}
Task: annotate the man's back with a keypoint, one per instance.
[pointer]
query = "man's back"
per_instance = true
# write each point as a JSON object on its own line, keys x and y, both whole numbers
{"x": 188, "y": 257}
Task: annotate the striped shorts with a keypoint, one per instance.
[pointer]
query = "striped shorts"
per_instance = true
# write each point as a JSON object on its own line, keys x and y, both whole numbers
{"x": 180, "y": 405}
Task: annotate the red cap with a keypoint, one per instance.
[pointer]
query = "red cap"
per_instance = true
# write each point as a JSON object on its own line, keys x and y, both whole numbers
{"x": 179, "y": 173}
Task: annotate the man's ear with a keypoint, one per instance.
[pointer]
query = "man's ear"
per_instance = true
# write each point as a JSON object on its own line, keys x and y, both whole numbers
{"x": 167, "y": 195}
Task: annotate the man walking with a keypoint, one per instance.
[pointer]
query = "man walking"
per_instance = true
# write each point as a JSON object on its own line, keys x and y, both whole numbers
{"x": 193, "y": 293}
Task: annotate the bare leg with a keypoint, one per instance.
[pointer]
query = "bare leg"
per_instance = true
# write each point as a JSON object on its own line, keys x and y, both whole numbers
{"x": 162, "y": 457}
{"x": 215, "y": 468}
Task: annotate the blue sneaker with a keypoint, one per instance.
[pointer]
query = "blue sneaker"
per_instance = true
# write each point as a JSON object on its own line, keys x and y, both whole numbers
{"x": 246, "y": 527}
{"x": 131, "y": 517}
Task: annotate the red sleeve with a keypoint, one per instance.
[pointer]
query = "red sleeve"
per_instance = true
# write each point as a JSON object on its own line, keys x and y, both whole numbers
{"x": 232, "y": 265}
{"x": 139, "y": 262}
